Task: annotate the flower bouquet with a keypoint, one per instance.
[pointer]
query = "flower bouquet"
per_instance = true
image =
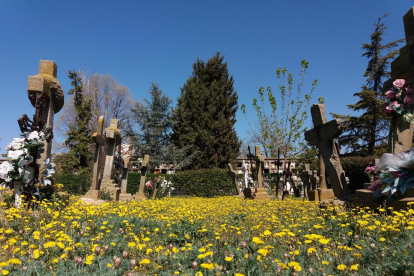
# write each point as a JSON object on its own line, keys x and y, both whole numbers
{"x": 397, "y": 173}
{"x": 400, "y": 100}
{"x": 21, "y": 165}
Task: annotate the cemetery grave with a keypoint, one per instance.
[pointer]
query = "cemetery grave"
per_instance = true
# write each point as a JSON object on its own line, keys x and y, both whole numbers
{"x": 109, "y": 231}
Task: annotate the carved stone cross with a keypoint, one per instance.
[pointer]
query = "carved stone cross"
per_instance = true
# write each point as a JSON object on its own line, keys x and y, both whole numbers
{"x": 94, "y": 192}
{"x": 322, "y": 136}
{"x": 261, "y": 191}
{"x": 305, "y": 177}
{"x": 46, "y": 95}
{"x": 125, "y": 196}
{"x": 144, "y": 168}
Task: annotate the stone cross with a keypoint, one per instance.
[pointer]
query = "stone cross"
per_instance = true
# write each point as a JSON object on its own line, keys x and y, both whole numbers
{"x": 400, "y": 137}
{"x": 245, "y": 174}
{"x": 261, "y": 191}
{"x": 156, "y": 185}
{"x": 113, "y": 139}
{"x": 94, "y": 192}
{"x": 44, "y": 87}
{"x": 125, "y": 196}
{"x": 233, "y": 176}
{"x": 144, "y": 168}
{"x": 305, "y": 177}
{"x": 322, "y": 136}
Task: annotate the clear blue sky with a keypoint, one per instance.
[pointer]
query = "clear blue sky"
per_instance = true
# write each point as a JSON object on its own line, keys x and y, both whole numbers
{"x": 139, "y": 42}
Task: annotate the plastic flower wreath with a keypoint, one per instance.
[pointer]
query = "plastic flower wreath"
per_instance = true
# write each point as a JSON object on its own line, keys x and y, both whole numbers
{"x": 400, "y": 100}
{"x": 397, "y": 173}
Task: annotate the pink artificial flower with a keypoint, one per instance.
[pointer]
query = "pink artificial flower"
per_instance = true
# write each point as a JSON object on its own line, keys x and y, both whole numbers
{"x": 396, "y": 174}
{"x": 395, "y": 104}
{"x": 149, "y": 184}
{"x": 398, "y": 95}
{"x": 408, "y": 99}
{"x": 389, "y": 109}
{"x": 368, "y": 169}
{"x": 399, "y": 83}
{"x": 390, "y": 94}
{"x": 409, "y": 89}
{"x": 374, "y": 186}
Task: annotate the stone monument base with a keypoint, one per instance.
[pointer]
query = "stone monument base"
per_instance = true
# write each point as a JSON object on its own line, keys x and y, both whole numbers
{"x": 365, "y": 197}
{"x": 93, "y": 194}
{"x": 402, "y": 201}
{"x": 125, "y": 197}
{"x": 92, "y": 201}
{"x": 139, "y": 197}
{"x": 262, "y": 194}
{"x": 325, "y": 194}
{"x": 112, "y": 188}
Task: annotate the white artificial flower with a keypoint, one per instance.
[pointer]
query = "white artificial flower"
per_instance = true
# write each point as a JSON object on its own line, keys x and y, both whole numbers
{"x": 15, "y": 154}
{"x": 32, "y": 135}
{"x": 5, "y": 168}
{"x": 397, "y": 161}
{"x": 17, "y": 143}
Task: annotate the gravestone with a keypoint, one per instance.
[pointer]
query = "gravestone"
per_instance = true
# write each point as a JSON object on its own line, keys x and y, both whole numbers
{"x": 305, "y": 177}
{"x": 156, "y": 186}
{"x": 113, "y": 139}
{"x": 322, "y": 136}
{"x": 95, "y": 192}
{"x": 233, "y": 177}
{"x": 125, "y": 196}
{"x": 314, "y": 181}
{"x": 261, "y": 192}
{"x": 144, "y": 168}
{"x": 46, "y": 95}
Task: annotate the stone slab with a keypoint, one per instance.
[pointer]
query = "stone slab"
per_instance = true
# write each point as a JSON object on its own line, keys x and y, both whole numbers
{"x": 325, "y": 194}
{"x": 93, "y": 194}
{"x": 262, "y": 194}
{"x": 92, "y": 201}
{"x": 365, "y": 197}
{"x": 125, "y": 197}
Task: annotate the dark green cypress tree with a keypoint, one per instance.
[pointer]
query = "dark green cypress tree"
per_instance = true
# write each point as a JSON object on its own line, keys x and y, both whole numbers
{"x": 362, "y": 133}
{"x": 79, "y": 159}
{"x": 206, "y": 113}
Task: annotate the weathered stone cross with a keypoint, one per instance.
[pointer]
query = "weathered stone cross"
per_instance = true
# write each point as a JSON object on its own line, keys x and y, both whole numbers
{"x": 144, "y": 168}
{"x": 233, "y": 176}
{"x": 94, "y": 192}
{"x": 322, "y": 136}
{"x": 261, "y": 191}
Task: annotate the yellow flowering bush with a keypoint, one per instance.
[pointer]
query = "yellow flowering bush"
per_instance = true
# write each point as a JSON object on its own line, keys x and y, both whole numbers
{"x": 200, "y": 236}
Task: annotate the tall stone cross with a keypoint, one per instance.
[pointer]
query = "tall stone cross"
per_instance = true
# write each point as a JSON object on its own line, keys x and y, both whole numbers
{"x": 94, "y": 192}
{"x": 233, "y": 176}
{"x": 261, "y": 191}
{"x": 46, "y": 95}
{"x": 322, "y": 136}
{"x": 125, "y": 196}
{"x": 144, "y": 168}
{"x": 113, "y": 139}
{"x": 400, "y": 137}
{"x": 305, "y": 177}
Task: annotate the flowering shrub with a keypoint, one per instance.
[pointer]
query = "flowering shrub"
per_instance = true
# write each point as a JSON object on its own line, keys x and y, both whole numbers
{"x": 400, "y": 100}
{"x": 397, "y": 173}
{"x": 200, "y": 236}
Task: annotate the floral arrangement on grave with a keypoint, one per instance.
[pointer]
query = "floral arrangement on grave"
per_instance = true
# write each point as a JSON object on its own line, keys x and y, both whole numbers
{"x": 149, "y": 185}
{"x": 370, "y": 171}
{"x": 21, "y": 164}
{"x": 396, "y": 174}
{"x": 400, "y": 100}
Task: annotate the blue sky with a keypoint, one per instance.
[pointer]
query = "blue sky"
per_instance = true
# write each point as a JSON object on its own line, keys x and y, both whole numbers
{"x": 139, "y": 42}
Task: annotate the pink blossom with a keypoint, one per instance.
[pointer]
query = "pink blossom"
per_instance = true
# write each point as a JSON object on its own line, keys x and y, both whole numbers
{"x": 149, "y": 184}
{"x": 396, "y": 174}
{"x": 390, "y": 94}
{"x": 389, "y": 109}
{"x": 409, "y": 89}
{"x": 398, "y": 95}
{"x": 399, "y": 83}
{"x": 395, "y": 104}
{"x": 408, "y": 99}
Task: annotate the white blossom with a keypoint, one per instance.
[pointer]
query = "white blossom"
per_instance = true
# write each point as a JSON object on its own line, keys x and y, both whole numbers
{"x": 15, "y": 154}
{"x": 33, "y": 135}
{"x": 5, "y": 168}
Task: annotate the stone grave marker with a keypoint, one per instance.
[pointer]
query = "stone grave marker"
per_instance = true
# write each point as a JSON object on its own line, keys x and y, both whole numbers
{"x": 261, "y": 192}
{"x": 400, "y": 137}
{"x": 233, "y": 176}
{"x": 113, "y": 139}
{"x": 305, "y": 177}
{"x": 156, "y": 186}
{"x": 144, "y": 168}
{"x": 95, "y": 192}
{"x": 125, "y": 196}
{"x": 322, "y": 136}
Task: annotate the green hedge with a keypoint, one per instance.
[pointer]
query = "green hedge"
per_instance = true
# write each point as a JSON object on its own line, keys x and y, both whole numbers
{"x": 354, "y": 168}
{"x": 75, "y": 184}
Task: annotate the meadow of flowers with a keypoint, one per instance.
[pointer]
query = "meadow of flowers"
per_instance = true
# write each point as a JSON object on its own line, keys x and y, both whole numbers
{"x": 199, "y": 236}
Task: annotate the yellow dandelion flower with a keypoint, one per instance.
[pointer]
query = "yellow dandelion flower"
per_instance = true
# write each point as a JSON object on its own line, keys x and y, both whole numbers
{"x": 341, "y": 267}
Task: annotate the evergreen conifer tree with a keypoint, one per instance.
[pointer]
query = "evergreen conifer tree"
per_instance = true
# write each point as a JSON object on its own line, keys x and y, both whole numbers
{"x": 362, "y": 133}
{"x": 79, "y": 159}
{"x": 206, "y": 113}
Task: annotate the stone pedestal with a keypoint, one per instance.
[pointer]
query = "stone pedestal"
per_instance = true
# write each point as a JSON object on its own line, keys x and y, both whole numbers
{"x": 325, "y": 194}
{"x": 401, "y": 201}
{"x": 313, "y": 195}
{"x": 365, "y": 198}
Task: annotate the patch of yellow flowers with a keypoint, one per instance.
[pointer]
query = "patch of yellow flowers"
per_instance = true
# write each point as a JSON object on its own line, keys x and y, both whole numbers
{"x": 199, "y": 236}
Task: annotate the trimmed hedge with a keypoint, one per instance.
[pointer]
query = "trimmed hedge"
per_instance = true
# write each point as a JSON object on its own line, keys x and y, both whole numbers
{"x": 354, "y": 167}
{"x": 75, "y": 184}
